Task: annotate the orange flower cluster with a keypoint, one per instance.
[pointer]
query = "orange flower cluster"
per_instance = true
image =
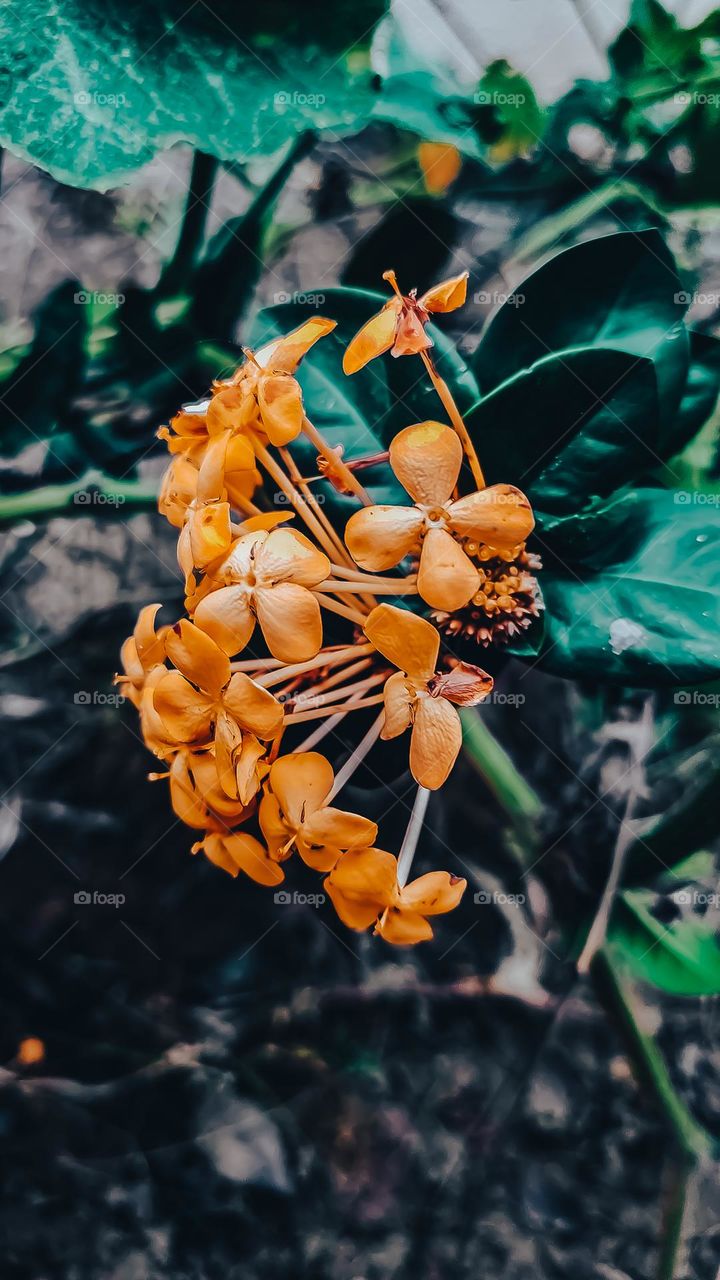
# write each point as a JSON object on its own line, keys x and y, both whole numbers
{"x": 223, "y": 693}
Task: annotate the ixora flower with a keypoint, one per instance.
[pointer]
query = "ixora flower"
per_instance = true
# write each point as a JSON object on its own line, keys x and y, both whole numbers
{"x": 400, "y": 326}
{"x": 417, "y": 695}
{"x": 295, "y": 813}
{"x": 426, "y": 458}
{"x": 364, "y": 889}
{"x": 266, "y": 578}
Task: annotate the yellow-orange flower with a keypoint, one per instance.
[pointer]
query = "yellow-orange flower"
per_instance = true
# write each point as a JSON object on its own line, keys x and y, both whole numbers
{"x": 140, "y": 653}
{"x": 197, "y": 797}
{"x": 426, "y": 458}
{"x": 416, "y": 695}
{"x": 201, "y": 698}
{"x": 236, "y": 851}
{"x": 400, "y": 326}
{"x": 364, "y": 889}
{"x": 266, "y": 577}
{"x": 294, "y": 813}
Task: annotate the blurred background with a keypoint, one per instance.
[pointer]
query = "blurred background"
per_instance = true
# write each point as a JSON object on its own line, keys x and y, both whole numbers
{"x": 199, "y": 1081}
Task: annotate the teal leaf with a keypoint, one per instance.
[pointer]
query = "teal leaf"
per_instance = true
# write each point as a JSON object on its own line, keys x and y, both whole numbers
{"x": 680, "y": 955}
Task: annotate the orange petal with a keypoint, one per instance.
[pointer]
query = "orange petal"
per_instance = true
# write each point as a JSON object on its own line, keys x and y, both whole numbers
{"x": 411, "y": 337}
{"x": 187, "y": 802}
{"x": 275, "y": 829}
{"x": 133, "y": 668}
{"x": 149, "y": 645}
{"x": 178, "y": 490}
{"x": 290, "y": 620}
{"x": 336, "y": 827}
{"x": 205, "y": 776}
{"x": 281, "y": 407}
{"x": 375, "y": 337}
{"x": 185, "y": 556}
{"x": 411, "y": 643}
{"x": 210, "y": 533}
{"x": 300, "y": 783}
{"x": 228, "y": 740}
{"x": 426, "y": 459}
{"x": 198, "y": 657}
{"x": 446, "y": 296}
{"x": 321, "y": 857}
{"x": 378, "y": 538}
{"x": 244, "y": 853}
{"x": 283, "y": 355}
{"x": 267, "y": 520}
{"x": 435, "y": 742}
{"x": 441, "y": 163}
{"x": 186, "y": 714}
{"x": 288, "y": 556}
{"x": 368, "y": 875}
{"x": 398, "y": 700}
{"x": 499, "y": 516}
{"x": 433, "y": 893}
{"x": 250, "y": 767}
{"x": 252, "y": 707}
{"x": 403, "y": 928}
{"x": 464, "y": 685}
{"x": 229, "y": 410}
{"x": 447, "y": 579}
{"x": 225, "y": 615}
{"x": 354, "y": 913}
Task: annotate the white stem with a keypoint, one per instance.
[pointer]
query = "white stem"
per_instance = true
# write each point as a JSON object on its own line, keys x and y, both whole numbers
{"x": 318, "y": 734}
{"x": 364, "y": 745}
{"x": 412, "y": 835}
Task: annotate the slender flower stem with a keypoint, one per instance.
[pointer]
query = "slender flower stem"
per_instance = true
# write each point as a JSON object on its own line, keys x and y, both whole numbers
{"x": 294, "y": 498}
{"x": 363, "y": 747}
{"x": 318, "y": 734}
{"x": 372, "y": 579}
{"x": 455, "y": 417}
{"x": 330, "y": 681}
{"x": 412, "y": 835}
{"x": 298, "y": 716}
{"x": 399, "y": 588}
{"x": 336, "y": 462}
{"x": 326, "y": 658}
{"x": 351, "y": 614}
{"x": 359, "y": 687}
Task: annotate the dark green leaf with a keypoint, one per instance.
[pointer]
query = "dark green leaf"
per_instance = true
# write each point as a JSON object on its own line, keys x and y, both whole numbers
{"x": 701, "y": 390}
{"x": 682, "y": 956}
{"x": 570, "y": 428}
{"x": 615, "y": 291}
{"x": 649, "y": 614}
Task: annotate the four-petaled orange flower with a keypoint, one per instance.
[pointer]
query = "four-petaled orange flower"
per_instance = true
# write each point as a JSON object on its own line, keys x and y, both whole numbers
{"x": 294, "y": 813}
{"x": 266, "y": 577}
{"x": 400, "y": 327}
{"x": 426, "y": 459}
{"x": 201, "y": 698}
{"x": 363, "y": 887}
{"x": 419, "y": 696}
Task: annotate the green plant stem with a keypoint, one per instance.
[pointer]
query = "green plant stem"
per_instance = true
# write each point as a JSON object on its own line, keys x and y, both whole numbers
{"x": 197, "y": 204}
{"x": 93, "y": 494}
{"x": 497, "y": 770}
{"x": 614, "y": 992}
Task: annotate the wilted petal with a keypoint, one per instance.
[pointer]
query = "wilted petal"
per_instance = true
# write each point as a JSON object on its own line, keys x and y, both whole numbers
{"x": 410, "y": 335}
{"x": 447, "y": 579}
{"x": 288, "y": 556}
{"x": 186, "y": 714}
{"x": 336, "y": 827}
{"x": 499, "y": 516}
{"x": 378, "y": 538}
{"x": 248, "y": 769}
{"x": 284, "y": 354}
{"x": 465, "y": 685}
{"x": 254, "y": 708}
{"x": 411, "y": 643}
{"x": 290, "y": 620}
{"x": 375, "y": 337}
{"x": 398, "y": 699}
{"x": 225, "y": 615}
{"x": 435, "y": 742}
{"x": 210, "y": 533}
{"x": 403, "y": 928}
{"x": 446, "y": 296}
{"x": 229, "y": 410}
{"x": 198, "y": 657}
{"x": 433, "y": 893}
{"x": 281, "y": 407}
{"x": 300, "y": 783}
{"x": 426, "y": 459}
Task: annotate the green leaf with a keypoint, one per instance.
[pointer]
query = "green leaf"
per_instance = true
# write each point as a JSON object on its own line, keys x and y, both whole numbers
{"x": 93, "y": 91}
{"x": 572, "y": 427}
{"x": 365, "y": 411}
{"x": 682, "y": 956}
{"x": 517, "y": 121}
{"x": 615, "y": 291}
{"x": 701, "y": 390}
{"x": 690, "y": 821}
{"x": 636, "y": 598}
